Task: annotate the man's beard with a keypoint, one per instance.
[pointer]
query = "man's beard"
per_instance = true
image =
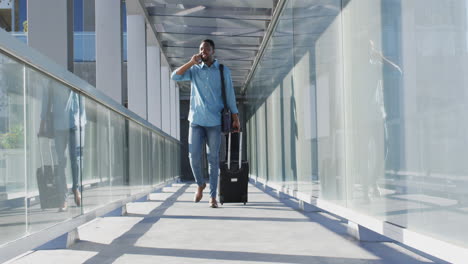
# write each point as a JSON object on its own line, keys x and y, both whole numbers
{"x": 205, "y": 59}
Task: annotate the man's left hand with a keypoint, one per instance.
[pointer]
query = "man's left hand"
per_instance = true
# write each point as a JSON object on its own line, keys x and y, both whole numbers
{"x": 235, "y": 123}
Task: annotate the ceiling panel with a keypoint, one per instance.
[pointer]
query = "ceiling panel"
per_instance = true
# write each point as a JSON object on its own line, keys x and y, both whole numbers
{"x": 175, "y": 39}
{"x": 232, "y": 64}
{"x": 215, "y": 3}
{"x": 236, "y": 26}
{"x": 209, "y": 22}
{"x": 202, "y": 11}
{"x": 213, "y": 30}
{"x": 219, "y": 53}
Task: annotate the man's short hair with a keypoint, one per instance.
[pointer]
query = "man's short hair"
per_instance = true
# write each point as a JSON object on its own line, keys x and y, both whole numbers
{"x": 209, "y": 41}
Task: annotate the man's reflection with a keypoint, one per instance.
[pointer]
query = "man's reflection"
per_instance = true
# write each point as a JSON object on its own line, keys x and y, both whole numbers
{"x": 375, "y": 166}
{"x": 69, "y": 118}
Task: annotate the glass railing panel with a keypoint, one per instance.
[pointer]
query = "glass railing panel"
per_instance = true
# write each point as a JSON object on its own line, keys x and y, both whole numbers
{"x": 249, "y": 142}
{"x": 119, "y": 163}
{"x": 146, "y": 158}
{"x": 177, "y": 165}
{"x": 304, "y": 79}
{"x": 262, "y": 143}
{"x": 12, "y": 150}
{"x": 158, "y": 157}
{"x": 285, "y": 142}
{"x": 162, "y": 159}
{"x": 272, "y": 109}
{"x": 154, "y": 159}
{"x": 388, "y": 124}
{"x": 54, "y": 123}
{"x": 66, "y": 149}
{"x": 169, "y": 159}
{"x": 275, "y": 141}
{"x": 174, "y": 160}
{"x": 252, "y": 141}
{"x": 408, "y": 114}
{"x": 135, "y": 157}
{"x": 318, "y": 70}
{"x": 97, "y": 167}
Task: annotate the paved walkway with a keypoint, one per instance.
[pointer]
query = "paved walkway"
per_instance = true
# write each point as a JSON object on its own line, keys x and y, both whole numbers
{"x": 170, "y": 228}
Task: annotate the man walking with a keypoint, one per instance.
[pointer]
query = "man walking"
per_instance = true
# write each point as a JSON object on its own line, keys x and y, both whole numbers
{"x": 206, "y": 103}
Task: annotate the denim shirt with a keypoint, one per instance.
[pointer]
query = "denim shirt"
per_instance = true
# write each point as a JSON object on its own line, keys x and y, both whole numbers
{"x": 67, "y": 107}
{"x": 206, "y": 101}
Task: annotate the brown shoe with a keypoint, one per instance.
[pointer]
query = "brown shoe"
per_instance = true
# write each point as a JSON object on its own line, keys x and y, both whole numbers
{"x": 199, "y": 193}
{"x": 213, "y": 203}
{"x": 77, "y": 195}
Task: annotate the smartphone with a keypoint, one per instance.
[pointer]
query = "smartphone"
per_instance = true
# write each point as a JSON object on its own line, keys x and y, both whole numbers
{"x": 200, "y": 60}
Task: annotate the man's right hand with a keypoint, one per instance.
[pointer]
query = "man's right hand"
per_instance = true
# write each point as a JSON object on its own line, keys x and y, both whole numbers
{"x": 196, "y": 59}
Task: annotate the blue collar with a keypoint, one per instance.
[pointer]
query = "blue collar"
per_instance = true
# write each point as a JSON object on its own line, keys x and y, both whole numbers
{"x": 215, "y": 63}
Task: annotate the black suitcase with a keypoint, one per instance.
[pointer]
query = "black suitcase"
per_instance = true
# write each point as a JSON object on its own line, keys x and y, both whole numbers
{"x": 50, "y": 195}
{"x": 234, "y": 177}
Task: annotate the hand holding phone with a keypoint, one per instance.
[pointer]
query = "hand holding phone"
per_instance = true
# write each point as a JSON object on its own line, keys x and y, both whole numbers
{"x": 197, "y": 58}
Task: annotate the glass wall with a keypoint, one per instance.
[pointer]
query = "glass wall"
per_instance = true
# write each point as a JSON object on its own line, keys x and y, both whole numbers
{"x": 63, "y": 154}
{"x": 12, "y": 146}
{"x": 53, "y": 152}
{"x": 361, "y": 103}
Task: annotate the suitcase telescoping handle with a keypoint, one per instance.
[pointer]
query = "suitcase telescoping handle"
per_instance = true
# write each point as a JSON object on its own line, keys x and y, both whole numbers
{"x": 42, "y": 156}
{"x": 229, "y": 150}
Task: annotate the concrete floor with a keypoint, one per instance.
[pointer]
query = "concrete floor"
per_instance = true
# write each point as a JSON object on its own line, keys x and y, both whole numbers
{"x": 170, "y": 228}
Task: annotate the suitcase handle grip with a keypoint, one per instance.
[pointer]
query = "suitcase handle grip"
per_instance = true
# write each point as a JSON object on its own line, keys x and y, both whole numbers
{"x": 240, "y": 149}
{"x": 229, "y": 150}
{"x": 42, "y": 156}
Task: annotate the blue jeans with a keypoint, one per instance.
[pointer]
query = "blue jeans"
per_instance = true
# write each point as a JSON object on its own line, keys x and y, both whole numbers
{"x": 198, "y": 135}
{"x": 71, "y": 138}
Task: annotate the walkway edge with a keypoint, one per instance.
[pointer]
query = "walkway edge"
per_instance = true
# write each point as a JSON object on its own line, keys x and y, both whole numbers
{"x": 29, "y": 242}
{"x": 428, "y": 245}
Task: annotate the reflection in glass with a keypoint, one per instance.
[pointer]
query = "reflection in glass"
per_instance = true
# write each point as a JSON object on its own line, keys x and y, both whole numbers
{"x": 54, "y": 117}
{"x": 62, "y": 154}
{"x": 62, "y": 119}
{"x": 349, "y": 106}
{"x": 12, "y": 147}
